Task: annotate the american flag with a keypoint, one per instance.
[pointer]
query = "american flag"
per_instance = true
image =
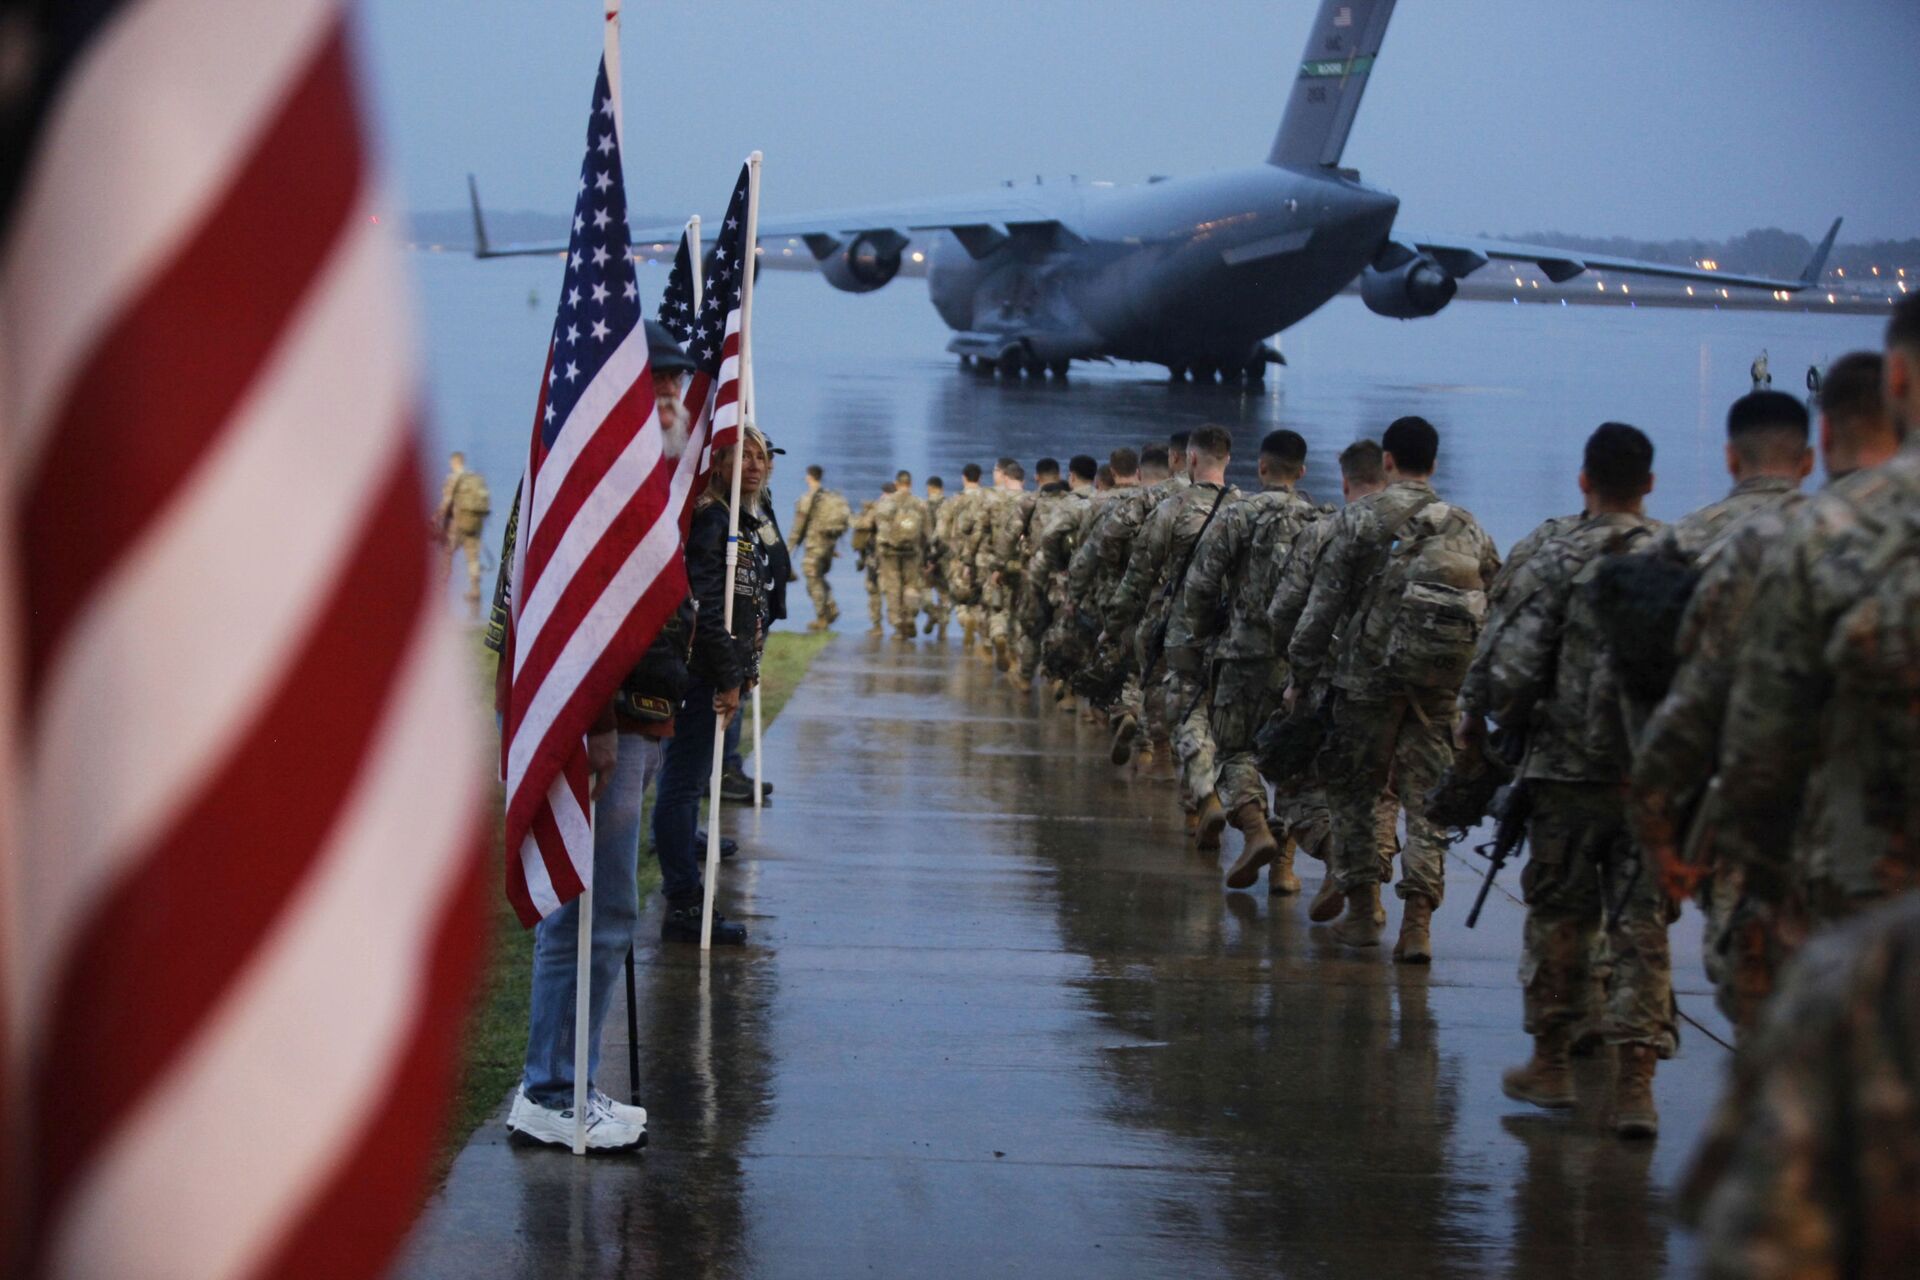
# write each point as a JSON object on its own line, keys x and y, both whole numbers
{"x": 596, "y": 569}
{"x": 238, "y": 915}
{"x": 713, "y": 343}
{"x": 676, "y": 302}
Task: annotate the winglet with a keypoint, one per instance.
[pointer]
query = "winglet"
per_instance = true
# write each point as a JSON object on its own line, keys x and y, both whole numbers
{"x": 1811, "y": 276}
{"x": 481, "y": 249}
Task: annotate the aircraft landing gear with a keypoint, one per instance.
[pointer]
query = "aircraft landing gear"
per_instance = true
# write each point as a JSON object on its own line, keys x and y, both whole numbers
{"x": 1176, "y": 373}
{"x": 1256, "y": 373}
{"x": 966, "y": 362}
{"x": 1204, "y": 372}
{"x": 1059, "y": 369}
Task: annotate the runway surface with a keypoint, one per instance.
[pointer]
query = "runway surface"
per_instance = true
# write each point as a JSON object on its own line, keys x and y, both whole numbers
{"x": 996, "y": 1019}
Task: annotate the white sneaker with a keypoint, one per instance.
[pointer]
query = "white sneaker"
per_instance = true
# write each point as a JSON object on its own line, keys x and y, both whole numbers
{"x": 554, "y": 1127}
{"x": 624, "y": 1112}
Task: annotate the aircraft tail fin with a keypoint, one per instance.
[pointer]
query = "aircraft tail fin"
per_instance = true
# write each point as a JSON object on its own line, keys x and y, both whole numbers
{"x": 1332, "y": 75}
{"x": 1818, "y": 263}
{"x": 481, "y": 248}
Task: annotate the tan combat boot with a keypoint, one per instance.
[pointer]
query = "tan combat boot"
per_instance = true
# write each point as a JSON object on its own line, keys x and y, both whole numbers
{"x": 1261, "y": 847}
{"x": 1020, "y": 683}
{"x": 1326, "y": 904}
{"x": 1360, "y": 926}
{"x": 966, "y": 637}
{"x": 1547, "y": 1078}
{"x": 1281, "y": 881}
{"x": 1212, "y": 821}
{"x": 1633, "y": 1113}
{"x": 1002, "y": 658}
{"x": 1143, "y": 760}
{"x": 1415, "y": 945}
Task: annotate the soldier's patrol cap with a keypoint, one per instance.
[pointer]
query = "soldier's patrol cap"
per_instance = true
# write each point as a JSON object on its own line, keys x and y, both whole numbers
{"x": 664, "y": 353}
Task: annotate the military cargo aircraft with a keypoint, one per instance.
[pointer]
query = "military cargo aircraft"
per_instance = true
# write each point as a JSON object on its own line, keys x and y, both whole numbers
{"x": 1197, "y": 273}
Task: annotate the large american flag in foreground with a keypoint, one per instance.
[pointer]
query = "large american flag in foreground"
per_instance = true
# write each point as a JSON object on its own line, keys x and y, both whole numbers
{"x": 239, "y": 903}
{"x": 596, "y": 567}
{"x": 711, "y": 332}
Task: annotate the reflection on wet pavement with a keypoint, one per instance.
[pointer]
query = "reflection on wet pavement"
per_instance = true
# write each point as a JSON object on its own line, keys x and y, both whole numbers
{"x": 997, "y": 1020}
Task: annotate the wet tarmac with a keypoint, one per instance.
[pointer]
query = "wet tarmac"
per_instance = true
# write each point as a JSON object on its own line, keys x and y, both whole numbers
{"x": 997, "y": 1020}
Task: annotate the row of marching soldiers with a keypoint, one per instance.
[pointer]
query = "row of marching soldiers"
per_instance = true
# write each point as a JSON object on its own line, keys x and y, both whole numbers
{"x": 1724, "y": 709}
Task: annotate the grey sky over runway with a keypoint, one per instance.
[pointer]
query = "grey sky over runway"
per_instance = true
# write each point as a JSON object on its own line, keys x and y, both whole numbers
{"x": 1640, "y": 118}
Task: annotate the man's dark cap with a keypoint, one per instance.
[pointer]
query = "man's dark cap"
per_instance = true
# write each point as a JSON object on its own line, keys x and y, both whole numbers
{"x": 663, "y": 353}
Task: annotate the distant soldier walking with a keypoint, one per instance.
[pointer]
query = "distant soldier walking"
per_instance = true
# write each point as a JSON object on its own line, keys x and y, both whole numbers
{"x": 866, "y": 555}
{"x": 819, "y": 518}
{"x": 465, "y": 505}
{"x": 901, "y": 529}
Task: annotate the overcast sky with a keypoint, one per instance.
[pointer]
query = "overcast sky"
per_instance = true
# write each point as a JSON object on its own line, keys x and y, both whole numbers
{"x": 1646, "y": 118}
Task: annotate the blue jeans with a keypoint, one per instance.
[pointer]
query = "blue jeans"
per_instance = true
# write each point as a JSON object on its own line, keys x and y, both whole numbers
{"x": 548, "y": 1077}
{"x": 735, "y": 762}
{"x": 676, "y": 809}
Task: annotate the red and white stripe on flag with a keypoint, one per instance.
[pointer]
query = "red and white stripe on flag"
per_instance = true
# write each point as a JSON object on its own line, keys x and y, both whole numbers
{"x": 597, "y": 566}
{"x": 243, "y": 908}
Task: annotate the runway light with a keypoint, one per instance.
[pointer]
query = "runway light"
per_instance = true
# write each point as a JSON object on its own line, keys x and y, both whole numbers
{"x": 786, "y": 253}
{"x": 1689, "y": 291}
{"x": 918, "y": 256}
{"x": 1830, "y": 298}
{"x": 1516, "y": 282}
{"x": 1708, "y": 264}
{"x": 1624, "y": 289}
{"x": 1723, "y": 293}
{"x": 1841, "y": 272}
{"x": 1876, "y": 271}
{"x": 1535, "y": 283}
{"x": 1601, "y": 285}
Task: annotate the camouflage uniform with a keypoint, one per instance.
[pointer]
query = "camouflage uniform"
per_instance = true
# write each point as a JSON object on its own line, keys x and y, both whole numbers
{"x": 1546, "y": 674}
{"x": 1383, "y": 734}
{"x": 819, "y": 518}
{"x": 1811, "y": 1167}
{"x": 935, "y": 596}
{"x": 1094, "y": 575}
{"x": 1219, "y": 629}
{"x": 998, "y": 561}
{"x": 867, "y": 522}
{"x": 1818, "y": 770}
{"x": 465, "y": 505}
{"x": 1043, "y": 549}
{"x": 1056, "y": 528}
{"x": 900, "y": 536}
{"x": 957, "y": 530}
{"x": 1144, "y": 600}
{"x": 1675, "y": 753}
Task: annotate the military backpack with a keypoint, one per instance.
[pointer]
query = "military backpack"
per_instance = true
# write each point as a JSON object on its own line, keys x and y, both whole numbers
{"x": 902, "y": 523}
{"x": 1428, "y": 602}
{"x": 472, "y": 503}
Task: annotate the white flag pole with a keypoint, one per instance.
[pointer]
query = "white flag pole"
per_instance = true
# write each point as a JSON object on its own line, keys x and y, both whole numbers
{"x": 583, "y": 942}
{"x": 733, "y": 534}
{"x": 695, "y": 263}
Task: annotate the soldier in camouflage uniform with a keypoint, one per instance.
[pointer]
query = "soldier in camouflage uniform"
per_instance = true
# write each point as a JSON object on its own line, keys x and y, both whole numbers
{"x": 1094, "y": 574}
{"x": 866, "y": 555}
{"x": 1219, "y": 633}
{"x": 1051, "y": 543}
{"x": 1820, "y": 762}
{"x": 1811, "y": 1167}
{"x": 998, "y": 562}
{"x": 900, "y": 539}
{"x": 1031, "y": 610}
{"x": 819, "y": 518}
{"x": 956, "y": 531}
{"x": 1388, "y": 728}
{"x": 1677, "y": 749}
{"x": 1546, "y": 675}
{"x": 1144, "y": 600}
{"x": 936, "y": 598}
{"x": 1305, "y": 799}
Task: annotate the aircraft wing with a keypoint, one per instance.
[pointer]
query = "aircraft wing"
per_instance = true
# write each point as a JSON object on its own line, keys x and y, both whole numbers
{"x": 1462, "y": 256}
{"x": 982, "y": 222}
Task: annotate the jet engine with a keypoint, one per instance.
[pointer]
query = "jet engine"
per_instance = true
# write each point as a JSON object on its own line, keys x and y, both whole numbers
{"x": 870, "y": 260}
{"x": 1414, "y": 287}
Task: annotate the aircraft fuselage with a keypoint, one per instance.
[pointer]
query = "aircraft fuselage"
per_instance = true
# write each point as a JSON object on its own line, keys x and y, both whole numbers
{"x": 1194, "y": 271}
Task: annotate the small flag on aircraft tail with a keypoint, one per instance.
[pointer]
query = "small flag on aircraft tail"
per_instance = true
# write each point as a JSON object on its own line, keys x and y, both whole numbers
{"x": 597, "y": 564}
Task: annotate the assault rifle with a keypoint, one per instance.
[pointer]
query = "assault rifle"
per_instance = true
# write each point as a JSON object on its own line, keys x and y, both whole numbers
{"x": 1512, "y": 808}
